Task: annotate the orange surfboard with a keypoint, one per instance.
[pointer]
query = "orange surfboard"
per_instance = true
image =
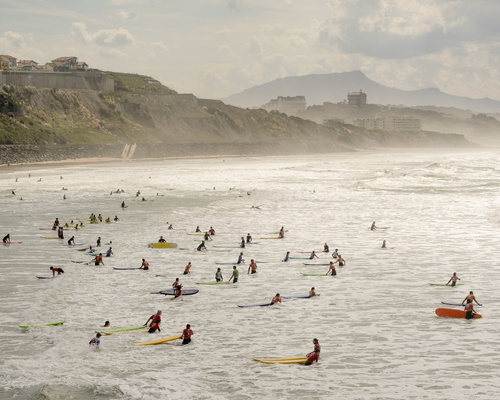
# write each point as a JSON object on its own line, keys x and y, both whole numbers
{"x": 450, "y": 313}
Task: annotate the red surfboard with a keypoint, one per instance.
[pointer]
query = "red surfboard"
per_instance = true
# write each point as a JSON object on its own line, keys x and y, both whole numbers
{"x": 451, "y": 313}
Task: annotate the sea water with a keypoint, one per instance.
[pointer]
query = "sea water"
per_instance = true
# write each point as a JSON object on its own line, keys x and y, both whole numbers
{"x": 375, "y": 320}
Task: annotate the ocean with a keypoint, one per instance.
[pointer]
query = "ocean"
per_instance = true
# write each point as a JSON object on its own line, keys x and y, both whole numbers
{"x": 375, "y": 320}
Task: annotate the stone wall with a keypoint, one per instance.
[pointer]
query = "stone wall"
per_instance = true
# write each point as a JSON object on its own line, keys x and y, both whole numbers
{"x": 89, "y": 80}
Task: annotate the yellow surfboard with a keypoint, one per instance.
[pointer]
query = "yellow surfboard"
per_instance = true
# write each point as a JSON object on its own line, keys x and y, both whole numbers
{"x": 164, "y": 340}
{"x": 296, "y": 360}
{"x": 163, "y": 245}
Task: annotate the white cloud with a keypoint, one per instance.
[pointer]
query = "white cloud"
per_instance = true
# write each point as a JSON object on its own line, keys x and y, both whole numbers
{"x": 103, "y": 37}
{"x": 127, "y": 15}
{"x": 160, "y": 46}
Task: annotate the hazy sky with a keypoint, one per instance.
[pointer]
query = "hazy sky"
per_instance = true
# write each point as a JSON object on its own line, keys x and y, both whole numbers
{"x": 214, "y": 48}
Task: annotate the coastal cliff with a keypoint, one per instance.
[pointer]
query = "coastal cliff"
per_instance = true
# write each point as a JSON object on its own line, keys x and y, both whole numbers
{"x": 164, "y": 123}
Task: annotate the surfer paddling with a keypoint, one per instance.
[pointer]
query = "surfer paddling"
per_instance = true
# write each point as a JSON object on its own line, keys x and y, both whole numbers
{"x": 471, "y": 297}
{"x": 454, "y": 279}
{"x": 312, "y": 293}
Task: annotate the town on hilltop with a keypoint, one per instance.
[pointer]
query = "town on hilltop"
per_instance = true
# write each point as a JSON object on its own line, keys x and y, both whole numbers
{"x": 60, "y": 64}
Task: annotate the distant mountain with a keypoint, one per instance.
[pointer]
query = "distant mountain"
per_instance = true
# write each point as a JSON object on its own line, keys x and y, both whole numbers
{"x": 320, "y": 88}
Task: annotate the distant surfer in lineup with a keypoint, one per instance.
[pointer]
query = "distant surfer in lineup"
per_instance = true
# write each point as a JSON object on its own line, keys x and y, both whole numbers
{"x": 383, "y": 244}
{"x": 281, "y": 233}
{"x": 106, "y": 324}
{"x": 198, "y": 229}
{"x": 313, "y": 255}
{"x": 211, "y": 231}
{"x": 123, "y": 204}
{"x": 331, "y": 271}
{"x": 287, "y": 257}
{"x": 249, "y": 238}
{"x": 240, "y": 258}
{"x": 242, "y": 244}
{"x": 335, "y": 254}
{"x": 188, "y": 267}
{"x": 454, "y": 279}
{"x": 6, "y": 238}
{"x": 206, "y": 236}
{"x": 186, "y": 335}
{"x": 326, "y": 249}
{"x": 170, "y": 226}
{"x": 144, "y": 265}
{"x": 469, "y": 309}
{"x": 312, "y": 292}
{"x": 276, "y": 299}
{"x": 201, "y": 246}
{"x": 373, "y": 227}
{"x": 96, "y": 341}
{"x": 218, "y": 276}
{"x": 252, "y": 267}
{"x": 234, "y": 275}
{"x": 116, "y": 218}
{"x": 471, "y": 297}
{"x": 161, "y": 240}
{"x": 58, "y": 270}
{"x": 98, "y": 243}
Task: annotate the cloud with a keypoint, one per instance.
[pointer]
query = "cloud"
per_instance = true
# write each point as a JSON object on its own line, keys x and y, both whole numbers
{"x": 160, "y": 46}
{"x": 234, "y": 4}
{"x": 254, "y": 46}
{"x": 127, "y": 15}
{"x": 103, "y": 37}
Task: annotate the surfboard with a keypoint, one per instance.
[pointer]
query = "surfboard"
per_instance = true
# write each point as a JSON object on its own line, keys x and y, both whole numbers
{"x": 42, "y": 324}
{"x": 212, "y": 283}
{"x": 298, "y": 360}
{"x": 124, "y": 269}
{"x": 164, "y": 340}
{"x": 302, "y": 296}
{"x": 162, "y": 245}
{"x": 170, "y": 292}
{"x": 45, "y": 277}
{"x": 111, "y": 331}
{"x": 275, "y": 233}
{"x": 452, "y": 313}
{"x": 203, "y": 240}
{"x": 231, "y": 263}
{"x": 316, "y": 264}
{"x": 444, "y": 284}
{"x": 76, "y": 244}
{"x": 257, "y": 305}
{"x": 452, "y": 304}
{"x": 196, "y": 234}
{"x": 252, "y": 243}
{"x": 271, "y": 237}
{"x": 316, "y": 274}
{"x": 50, "y": 237}
{"x": 16, "y": 242}
{"x": 299, "y": 258}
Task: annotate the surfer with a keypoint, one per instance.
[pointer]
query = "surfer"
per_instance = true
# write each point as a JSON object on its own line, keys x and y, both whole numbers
{"x": 281, "y": 233}
{"x": 249, "y": 238}
{"x": 188, "y": 267}
{"x": 71, "y": 241}
{"x": 312, "y": 292}
{"x": 123, "y": 204}
{"x": 198, "y": 229}
{"x": 332, "y": 269}
{"x": 109, "y": 252}
{"x": 469, "y": 309}
{"x": 240, "y": 258}
{"x": 177, "y": 288}
{"x": 98, "y": 260}
{"x": 373, "y": 227}
{"x": 155, "y": 318}
{"x": 242, "y": 244}
{"x": 218, "y": 276}
{"x": 186, "y": 334}
{"x": 206, "y": 236}
{"x": 287, "y": 256}
{"x": 341, "y": 261}
{"x": 143, "y": 199}
{"x": 161, "y": 240}
{"x": 234, "y": 275}
{"x": 471, "y": 297}
{"x": 383, "y": 244}
{"x": 58, "y": 270}
{"x": 454, "y": 279}
{"x": 60, "y": 232}
{"x": 313, "y": 255}
{"x": 98, "y": 242}
{"x": 106, "y": 324}
{"x": 6, "y": 238}
{"x": 335, "y": 254}
{"x": 326, "y": 249}
{"x": 56, "y": 222}
{"x": 116, "y": 218}
{"x": 252, "y": 266}
{"x": 144, "y": 265}
{"x": 276, "y": 299}
{"x": 313, "y": 357}
{"x": 211, "y": 231}
{"x": 13, "y": 193}
{"x": 317, "y": 346}
{"x": 96, "y": 341}
{"x": 170, "y": 226}
{"x": 201, "y": 246}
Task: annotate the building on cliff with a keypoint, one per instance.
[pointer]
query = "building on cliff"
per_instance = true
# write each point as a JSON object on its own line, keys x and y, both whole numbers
{"x": 288, "y": 105}
{"x": 63, "y": 64}
{"x": 7, "y": 62}
{"x": 395, "y": 123}
{"x": 356, "y": 98}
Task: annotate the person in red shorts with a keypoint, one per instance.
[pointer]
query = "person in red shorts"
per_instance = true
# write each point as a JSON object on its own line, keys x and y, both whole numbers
{"x": 313, "y": 357}
{"x": 155, "y": 319}
{"x": 186, "y": 334}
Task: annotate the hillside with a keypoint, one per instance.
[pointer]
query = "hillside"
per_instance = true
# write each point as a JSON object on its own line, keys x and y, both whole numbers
{"x": 320, "y": 88}
{"x": 161, "y": 120}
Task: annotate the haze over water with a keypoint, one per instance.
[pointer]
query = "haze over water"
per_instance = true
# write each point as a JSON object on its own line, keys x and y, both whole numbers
{"x": 375, "y": 320}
